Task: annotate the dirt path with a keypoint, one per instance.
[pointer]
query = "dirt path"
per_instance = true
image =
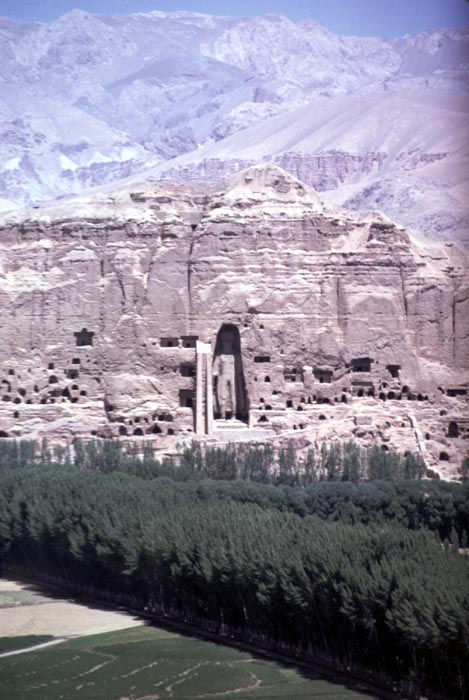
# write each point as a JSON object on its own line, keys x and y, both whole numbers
{"x": 43, "y": 645}
{"x": 55, "y": 616}
{"x": 62, "y": 619}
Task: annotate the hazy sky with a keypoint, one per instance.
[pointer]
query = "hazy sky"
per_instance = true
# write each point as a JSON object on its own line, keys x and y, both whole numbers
{"x": 387, "y": 18}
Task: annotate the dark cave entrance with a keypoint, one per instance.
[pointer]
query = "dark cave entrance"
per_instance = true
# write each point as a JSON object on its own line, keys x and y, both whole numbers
{"x": 229, "y": 387}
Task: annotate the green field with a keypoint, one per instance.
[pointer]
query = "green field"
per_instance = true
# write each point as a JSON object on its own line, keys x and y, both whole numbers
{"x": 29, "y": 640}
{"x": 145, "y": 663}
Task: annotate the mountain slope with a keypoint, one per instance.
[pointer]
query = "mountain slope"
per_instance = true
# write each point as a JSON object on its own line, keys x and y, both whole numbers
{"x": 405, "y": 153}
{"x": 90, "y": 99}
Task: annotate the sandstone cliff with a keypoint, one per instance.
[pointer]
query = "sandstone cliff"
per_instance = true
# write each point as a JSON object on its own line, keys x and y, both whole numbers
{"x": 347, "y": 326}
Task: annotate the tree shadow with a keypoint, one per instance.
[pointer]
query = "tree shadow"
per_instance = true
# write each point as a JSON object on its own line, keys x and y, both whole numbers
{"x": 46, "y": 591}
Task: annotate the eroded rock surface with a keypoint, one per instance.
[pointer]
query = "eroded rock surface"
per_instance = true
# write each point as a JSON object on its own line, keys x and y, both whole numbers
{"x": 347, "y": 326}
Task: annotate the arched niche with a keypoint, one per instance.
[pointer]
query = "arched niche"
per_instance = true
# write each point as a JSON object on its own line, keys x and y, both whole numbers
{"x": 229, "y": 387}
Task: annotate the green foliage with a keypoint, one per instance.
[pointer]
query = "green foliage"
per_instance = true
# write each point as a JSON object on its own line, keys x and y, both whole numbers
{"x": 309, "y": 475}
{"x": 16, "y": 453}
{"x": 283, "y": 548}
{"x": 383, "y": 464}
{"x": 465, "y": 469}
{"x": 335, "y": 569}
{"x": 352, "y": 461}
{"x": 253, "y": 462}
{"x": 29, "y": 640}
{"x": 287, "y": 466}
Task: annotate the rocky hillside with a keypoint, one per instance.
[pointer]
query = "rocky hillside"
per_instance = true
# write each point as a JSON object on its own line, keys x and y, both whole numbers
{"x": 402, "y": 153}
{"x": 88, "y": 100}
{"x": 345, "y": 326}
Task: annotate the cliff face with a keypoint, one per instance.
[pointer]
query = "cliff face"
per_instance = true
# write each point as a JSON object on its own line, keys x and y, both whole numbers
{"x": 322, "y": 171}
{"x": 401, "y": 153}
{"x": 339, "y": 317}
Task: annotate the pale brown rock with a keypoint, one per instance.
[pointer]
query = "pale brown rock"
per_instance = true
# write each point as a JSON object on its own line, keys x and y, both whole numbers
{"x": 340, "y": 317}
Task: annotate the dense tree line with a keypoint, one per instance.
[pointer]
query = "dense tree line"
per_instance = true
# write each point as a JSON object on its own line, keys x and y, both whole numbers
{"x": 334, "y": 462}
{"x": 442, "y": 507}
{"x": 326, "y": 570}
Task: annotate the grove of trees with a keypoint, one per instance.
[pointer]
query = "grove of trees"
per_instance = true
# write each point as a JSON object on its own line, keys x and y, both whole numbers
{"x": 357, "y": 574}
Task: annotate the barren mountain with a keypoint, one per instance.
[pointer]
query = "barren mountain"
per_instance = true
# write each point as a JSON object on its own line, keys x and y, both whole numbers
{"x": 403, "y": 153}
{"x": 87, "y": 100}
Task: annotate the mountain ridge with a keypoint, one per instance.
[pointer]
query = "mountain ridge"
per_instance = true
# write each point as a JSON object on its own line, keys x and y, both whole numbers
{"x": 92, "y": 99}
